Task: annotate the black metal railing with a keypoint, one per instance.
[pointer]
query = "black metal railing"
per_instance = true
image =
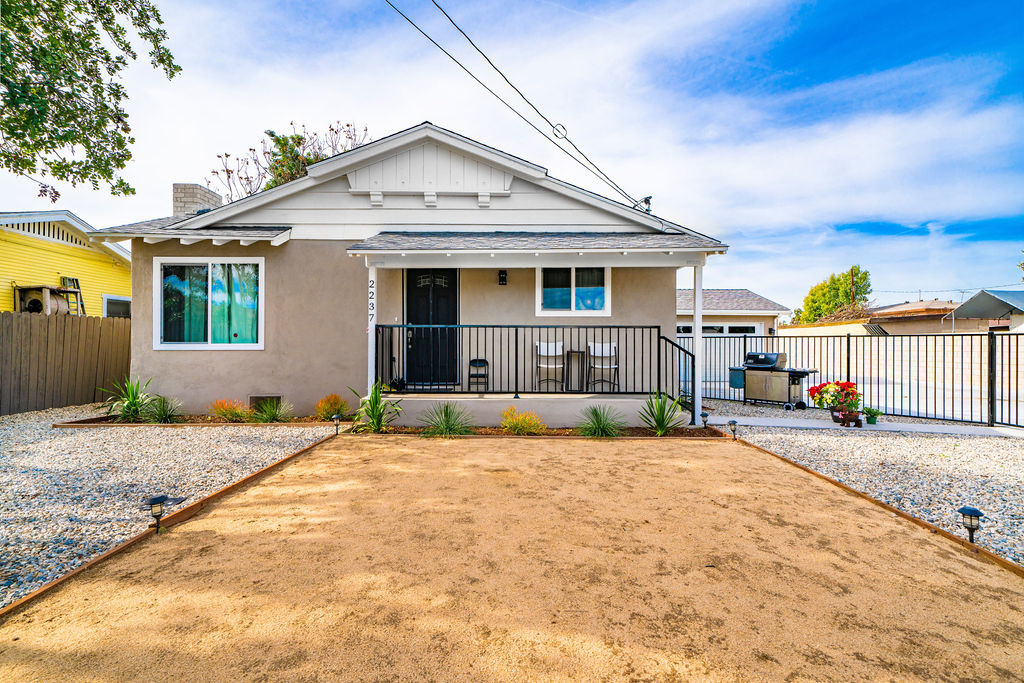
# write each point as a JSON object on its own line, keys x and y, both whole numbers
{"x": 959, "y": 377}
{"x": 678, "y": 364}
{"x": 522, "y": 359}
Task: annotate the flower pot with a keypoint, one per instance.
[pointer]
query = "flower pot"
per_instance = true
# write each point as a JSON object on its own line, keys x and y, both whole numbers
{"x": 872, "y": 419}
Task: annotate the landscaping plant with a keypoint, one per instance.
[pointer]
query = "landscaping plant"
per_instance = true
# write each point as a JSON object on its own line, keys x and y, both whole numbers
{"x": 447, "y": 420}
{"x": 841, "y": 395}
{"x": 661, "y": 414}
{"x": 526, "y": 423}
{"x": 163, "y": 410}
{"x": 375, "y": 412}
{"x": 272, "y": 410}
{"x": 331, "y": 405}
{"x": 872, "y": 414}
{"x": 128, "y": 400}
{"x": 600, "y": 421}
{"x": 230, "y": 410}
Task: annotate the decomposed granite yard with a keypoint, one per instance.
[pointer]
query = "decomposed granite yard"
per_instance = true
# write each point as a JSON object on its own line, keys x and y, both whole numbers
{"x": 497, "y": 559}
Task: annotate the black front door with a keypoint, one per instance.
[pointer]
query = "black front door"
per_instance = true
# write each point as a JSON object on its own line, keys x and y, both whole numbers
{"x": 431, "y": 298}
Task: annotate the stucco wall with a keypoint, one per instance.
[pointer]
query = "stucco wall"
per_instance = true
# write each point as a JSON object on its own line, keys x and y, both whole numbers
{"x": 314, "y": 341}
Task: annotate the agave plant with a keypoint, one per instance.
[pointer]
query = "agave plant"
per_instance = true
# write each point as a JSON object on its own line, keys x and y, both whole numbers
{"x": 446, "y": 420}
{"x": 375, "y": 412}
{"x": 661, "y": 414}
{"x": 272, "y": 410}
{"x": 163, "y": 410}
{"x": 128, "y": 400}
{"x": 600, "y": 421}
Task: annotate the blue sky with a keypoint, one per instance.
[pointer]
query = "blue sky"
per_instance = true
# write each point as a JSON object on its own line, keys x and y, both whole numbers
{"x": 808, "y": 135}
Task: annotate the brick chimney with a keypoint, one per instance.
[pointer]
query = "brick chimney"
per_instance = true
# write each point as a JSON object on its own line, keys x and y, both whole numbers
{"x": 189, "y": 199}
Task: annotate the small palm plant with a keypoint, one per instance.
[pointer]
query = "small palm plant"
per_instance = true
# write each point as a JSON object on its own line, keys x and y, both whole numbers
{"x": 375, "y": 412}
{"x": 446, "y": 420}
{"x": 600, "y": 421}
{"x": 660, "y": 414}
{"x": 163, "y": 410}
{"x": 128, "y": 400}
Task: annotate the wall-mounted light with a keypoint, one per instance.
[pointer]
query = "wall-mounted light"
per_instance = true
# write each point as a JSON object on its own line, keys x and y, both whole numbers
{"x": 502, "y": 277}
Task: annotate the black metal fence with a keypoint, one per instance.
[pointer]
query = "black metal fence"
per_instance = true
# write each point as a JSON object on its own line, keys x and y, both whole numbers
{"x": 524, "y": 359}
{"x": 961, "y": 377}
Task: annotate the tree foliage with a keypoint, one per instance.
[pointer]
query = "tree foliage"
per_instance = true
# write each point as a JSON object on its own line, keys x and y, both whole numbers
{"x": 282, "y": 158}
{"x": 834, "y": 293}
{"x": 60, "y": 68}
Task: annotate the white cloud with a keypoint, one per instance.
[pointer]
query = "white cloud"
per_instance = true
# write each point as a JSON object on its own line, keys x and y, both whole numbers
{"x": 909, "y": 145}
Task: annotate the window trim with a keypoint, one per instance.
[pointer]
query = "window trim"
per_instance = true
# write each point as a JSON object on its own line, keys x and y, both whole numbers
{"x": 572, "y": 312}
{"x": 158, "y": 310}
{"x": 115, "y": 297}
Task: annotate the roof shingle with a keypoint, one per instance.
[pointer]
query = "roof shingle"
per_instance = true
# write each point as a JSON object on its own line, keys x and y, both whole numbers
{"x": 727, "y": 300}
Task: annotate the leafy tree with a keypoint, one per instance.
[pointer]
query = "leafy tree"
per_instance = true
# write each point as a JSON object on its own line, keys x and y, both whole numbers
{"x": 60, "y": 90}
{"x": 283, "y": 158}
{"x": 849, "y": 289}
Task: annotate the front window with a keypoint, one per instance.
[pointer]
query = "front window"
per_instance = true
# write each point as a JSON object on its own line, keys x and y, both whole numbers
{"x": 203, "y": 303}
{"x": 574, "y": 291}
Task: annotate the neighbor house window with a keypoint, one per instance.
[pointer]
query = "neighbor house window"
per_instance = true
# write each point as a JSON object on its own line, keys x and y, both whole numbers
{"x": 684, "y": 329}
{"x": 574, "y": 291}
{"x": 742, "y": 329}
{"x": 117, "y": 306}
{"x": 208, "y": 303}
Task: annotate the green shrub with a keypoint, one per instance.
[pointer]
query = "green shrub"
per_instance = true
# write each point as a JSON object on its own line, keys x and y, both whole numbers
{"x": 446, "y": 420}
{"x": 600, "y": 421}
{"x": 128, "y": 400}
{"x": 163, "y": 410}
{"x": 230, "y": 410}
{"x": 521, "y": 424}
{"x": 660, "y": 414}
{"x": 375, "y": 412}
{"x": 272, "y": 410}
{"x": 331, "y": 405}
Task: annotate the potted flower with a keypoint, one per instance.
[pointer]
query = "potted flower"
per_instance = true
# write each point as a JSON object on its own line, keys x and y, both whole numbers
{"x": 872, "y": 414}
{"x": 849, "y": 404}
{"x": 840, "y": 398}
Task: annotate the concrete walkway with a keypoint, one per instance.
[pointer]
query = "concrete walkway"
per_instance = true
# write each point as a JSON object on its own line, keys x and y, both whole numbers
{"x": 882, "y": 426}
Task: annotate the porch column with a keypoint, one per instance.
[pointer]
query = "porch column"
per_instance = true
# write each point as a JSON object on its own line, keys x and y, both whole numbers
{"x": 698, "y": 340}
{"x": 371, "y": 329}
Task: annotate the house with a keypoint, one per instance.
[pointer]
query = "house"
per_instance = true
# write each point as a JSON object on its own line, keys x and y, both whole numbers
{"x": 49, "y": 265}
{"x": 910, "y": 317}
{"x": 990, "y": 305}
{"x": 729, "y": 312}
{"x": 440, "y": 266}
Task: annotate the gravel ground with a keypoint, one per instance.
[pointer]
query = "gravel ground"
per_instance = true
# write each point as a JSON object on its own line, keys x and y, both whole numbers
{"x": 720, "y": 408}
{"x": 67, "y": 495}
{"x": 928, "y": 476}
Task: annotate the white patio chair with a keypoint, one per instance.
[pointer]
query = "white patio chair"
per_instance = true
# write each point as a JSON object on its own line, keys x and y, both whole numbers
{"x": 550, "y": 365}
{"x": 602, "y": 364}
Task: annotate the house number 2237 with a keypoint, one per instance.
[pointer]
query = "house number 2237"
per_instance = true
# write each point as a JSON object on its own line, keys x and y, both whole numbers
{"x": 371, "y": 302}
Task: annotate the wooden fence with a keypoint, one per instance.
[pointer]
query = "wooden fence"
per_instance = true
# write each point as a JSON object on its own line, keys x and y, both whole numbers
{"x": 48, "y": 361}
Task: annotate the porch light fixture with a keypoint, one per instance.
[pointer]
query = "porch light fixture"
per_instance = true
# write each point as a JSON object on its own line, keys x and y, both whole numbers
{"x": 704, "y": 419}
{"x": 502, "y": 277}
{"x": 156, "y": 505}
{"x": 971, "y": 520}
{"x": 337, "y": 422}
{"x": 732, "y": 428}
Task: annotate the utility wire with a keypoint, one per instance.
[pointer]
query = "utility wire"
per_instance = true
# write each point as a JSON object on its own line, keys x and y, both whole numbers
{"x": 557, "y": 130}
{"x": 939, "y": 291}
{"x": 510, "y": 107}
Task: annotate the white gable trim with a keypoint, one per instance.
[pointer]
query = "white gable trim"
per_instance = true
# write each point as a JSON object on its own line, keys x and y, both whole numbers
{"x": 85, "y": 230}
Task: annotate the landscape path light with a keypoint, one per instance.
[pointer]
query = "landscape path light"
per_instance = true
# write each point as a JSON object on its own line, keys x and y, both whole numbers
{"x": 704, "y": 419}
{"x": 971, "y": 521}
{"x": 337, "y": 421}
{"x": 732, "y": 428}
{"x": 156, "y": 505}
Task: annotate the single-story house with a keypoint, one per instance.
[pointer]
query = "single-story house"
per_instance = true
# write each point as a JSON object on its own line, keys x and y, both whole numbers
{"x": 729, "y": 313}
{"x": 428, "y": 261}
{"x": 910, "y": 317}
{"x": 49, "y": 265}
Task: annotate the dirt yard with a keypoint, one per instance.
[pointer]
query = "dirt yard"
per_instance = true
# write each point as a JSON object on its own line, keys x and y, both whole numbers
{"x": 403, "y": 558}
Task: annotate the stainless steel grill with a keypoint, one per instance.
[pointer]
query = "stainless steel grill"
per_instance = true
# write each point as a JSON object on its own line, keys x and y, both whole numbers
{"x": 765, "y": 377}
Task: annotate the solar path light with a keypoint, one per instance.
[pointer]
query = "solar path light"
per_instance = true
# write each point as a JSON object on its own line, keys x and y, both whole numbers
{"x": 732, "y": 428}
{"x": 971, "y": 520}
{"x": 704, "y": 419}
{"x": 337, "y": 421}
{"x": 156, "y": 505}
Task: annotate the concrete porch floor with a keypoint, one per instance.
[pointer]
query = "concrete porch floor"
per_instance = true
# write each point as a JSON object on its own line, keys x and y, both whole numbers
{"x": 556, "y": 409}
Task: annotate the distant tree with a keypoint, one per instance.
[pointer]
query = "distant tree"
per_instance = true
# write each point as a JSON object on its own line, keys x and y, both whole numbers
{"x": 60, "y": 89}
{"x": 840, "y": 290}
{"x": 282, "y": 158}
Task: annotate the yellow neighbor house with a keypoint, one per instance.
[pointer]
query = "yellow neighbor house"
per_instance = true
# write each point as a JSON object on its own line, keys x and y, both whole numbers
{"x": 39, "y": 249}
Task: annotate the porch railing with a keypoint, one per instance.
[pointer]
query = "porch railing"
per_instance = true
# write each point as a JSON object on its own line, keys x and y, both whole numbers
{"x": 530, "y": 359}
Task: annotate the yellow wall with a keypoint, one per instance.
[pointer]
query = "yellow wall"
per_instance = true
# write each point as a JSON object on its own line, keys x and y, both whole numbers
{"x": 30, "y": 260}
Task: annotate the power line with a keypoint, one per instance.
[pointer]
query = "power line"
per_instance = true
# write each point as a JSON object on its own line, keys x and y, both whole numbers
{"x": 510, "y": 107}
{"x": 558, "y": 130}
{"x": 940, "y": 291}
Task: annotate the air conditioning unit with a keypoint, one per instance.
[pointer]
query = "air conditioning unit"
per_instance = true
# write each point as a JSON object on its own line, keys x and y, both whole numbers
{"x": 41, "y": 300}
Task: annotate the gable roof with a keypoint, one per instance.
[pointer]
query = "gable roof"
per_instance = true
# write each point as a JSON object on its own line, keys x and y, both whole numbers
{"x": 727, "y": 300}
{"x": 344, "y": 162}
{"x": 992, "y": 304}
{"x": 63, "y": 216}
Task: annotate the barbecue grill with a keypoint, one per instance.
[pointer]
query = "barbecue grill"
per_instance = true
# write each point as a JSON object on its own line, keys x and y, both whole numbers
{"x": 765, "y": 377}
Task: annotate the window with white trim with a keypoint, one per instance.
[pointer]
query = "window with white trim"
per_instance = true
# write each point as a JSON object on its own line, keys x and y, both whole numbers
{"x": 204, "y": 303}
{"x": 117, "y": 306}
{"x": 574, "y": 291}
